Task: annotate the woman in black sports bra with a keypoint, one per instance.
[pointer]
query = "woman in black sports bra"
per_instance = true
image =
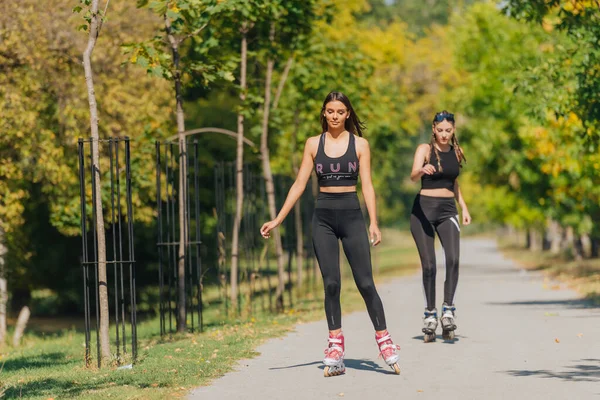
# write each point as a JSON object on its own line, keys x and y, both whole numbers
{"x": 339, "y": 155}
{"x": 438, "y": 165}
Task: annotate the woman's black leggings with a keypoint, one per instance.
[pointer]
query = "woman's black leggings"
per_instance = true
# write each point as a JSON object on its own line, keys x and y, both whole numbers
{"x": 338, "y": 216}
{"x": 438, "y": 214}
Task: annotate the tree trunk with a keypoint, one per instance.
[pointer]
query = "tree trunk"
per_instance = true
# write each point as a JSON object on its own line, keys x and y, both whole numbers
{"x": 3, "y": 290}
{"x": 298, "y": 209}
{"x": 535, "y": 240}
{"x": 239, "y": 178}
{"x": 268, "y": 176}
{"x": 102, "y": 279}
{"x": 595, "y": 246}
{"x": 555, "y": 231}
{"x": 181, "y": 297}
{"x": 21, "y": 325}
{"x": 586, "y": 244}
{"x": 578, "y": 248}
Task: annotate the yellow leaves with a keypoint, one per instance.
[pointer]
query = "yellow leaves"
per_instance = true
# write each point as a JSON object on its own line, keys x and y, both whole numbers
{"x": 548, "y": 25}
{"x": 344, "y": 23}
{"x": 387, "y": 46}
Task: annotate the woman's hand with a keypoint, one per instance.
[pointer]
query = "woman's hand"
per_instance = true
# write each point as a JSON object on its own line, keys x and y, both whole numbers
{"x": 466, "y": 217}
{"x": 267, "y": 227}
{"x": 427, "y": 169}
{"x": 375, "y": 234}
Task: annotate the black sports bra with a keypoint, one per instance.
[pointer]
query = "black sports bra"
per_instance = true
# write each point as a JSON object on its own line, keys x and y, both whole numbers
{"x": 450, "y": 171}
{"x": 338, "y": 171}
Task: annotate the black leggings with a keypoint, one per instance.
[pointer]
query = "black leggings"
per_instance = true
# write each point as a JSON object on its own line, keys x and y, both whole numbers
{"x": 338, "y": 216}
{"x": 438, "y": 214}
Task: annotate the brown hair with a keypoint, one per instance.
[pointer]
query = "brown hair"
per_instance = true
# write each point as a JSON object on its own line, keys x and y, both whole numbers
{"x": 352, "y": 124}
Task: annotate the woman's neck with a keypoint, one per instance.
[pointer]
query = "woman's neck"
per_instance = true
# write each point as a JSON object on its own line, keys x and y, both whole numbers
{"x": 443, "y": 148}
{"x": 336, "y": 132}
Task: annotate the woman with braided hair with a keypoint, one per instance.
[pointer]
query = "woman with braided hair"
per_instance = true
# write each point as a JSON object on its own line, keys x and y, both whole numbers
{"x": 438, "y": 165}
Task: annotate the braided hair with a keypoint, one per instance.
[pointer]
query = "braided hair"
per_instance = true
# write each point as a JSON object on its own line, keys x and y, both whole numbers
{"x": 460, "y": 155}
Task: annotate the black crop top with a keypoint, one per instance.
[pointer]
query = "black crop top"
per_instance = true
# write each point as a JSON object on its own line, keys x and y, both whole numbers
{"x": 338, "y": 171}
{"x": 450, "y": 171}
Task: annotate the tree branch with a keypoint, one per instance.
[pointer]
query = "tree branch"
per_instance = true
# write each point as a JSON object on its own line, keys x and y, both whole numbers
{"x": 103, "y": 16}
{"x": 194, "y": 33}
{"x": 214, "y": 130}
{"x": 284, "y": 75}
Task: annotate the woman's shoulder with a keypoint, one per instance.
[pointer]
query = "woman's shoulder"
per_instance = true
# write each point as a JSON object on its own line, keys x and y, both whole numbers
{"x": 313, "y": 139}
{"x": 424, "y": 147}
{"x": 361, "y": 141}
{"x": 312, "y": 143}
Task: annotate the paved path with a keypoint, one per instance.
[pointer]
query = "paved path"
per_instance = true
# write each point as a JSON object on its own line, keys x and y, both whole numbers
{"x": 518, "y": 337}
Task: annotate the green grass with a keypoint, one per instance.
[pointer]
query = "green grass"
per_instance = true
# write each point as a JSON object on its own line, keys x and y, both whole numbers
{"x": 582, "y": 276}
{"x": 50, "y": 365}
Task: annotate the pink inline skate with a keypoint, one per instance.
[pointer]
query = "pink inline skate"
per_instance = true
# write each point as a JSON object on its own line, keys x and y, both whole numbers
{"x": 387, "y": 350}
{"x": 334, "y": 356}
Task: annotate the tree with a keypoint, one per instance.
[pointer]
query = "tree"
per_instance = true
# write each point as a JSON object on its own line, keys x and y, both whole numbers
{"x": 239, "y": 168}
{"x": 291, "y": 23}
{"x": 44, "y": 110}
{"x": 183, "y": 20}
{"x": 94, "y": 19}
{"x": 578, "y": 62}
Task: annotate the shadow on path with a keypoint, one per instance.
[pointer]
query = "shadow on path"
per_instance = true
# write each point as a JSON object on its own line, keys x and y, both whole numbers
{"x": 587, "y": 370}
{"x": 363, "y": 365}
{"x": 570, "y": 303}
{"x": 439, "y": 338}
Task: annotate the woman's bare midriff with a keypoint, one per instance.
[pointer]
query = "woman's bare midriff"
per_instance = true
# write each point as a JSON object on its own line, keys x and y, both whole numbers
{"x": 437, "y": 192}
{"x": 338, "y": 189}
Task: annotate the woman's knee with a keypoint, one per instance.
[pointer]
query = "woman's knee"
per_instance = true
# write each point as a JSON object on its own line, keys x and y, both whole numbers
{"x": 332, "y": 288}
{"x": 452, "y": 262}
{"x": 429, "y": 269}
{"x": 366, "y": 287}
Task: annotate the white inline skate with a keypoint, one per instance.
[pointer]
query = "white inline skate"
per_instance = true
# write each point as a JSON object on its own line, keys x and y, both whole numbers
{"x": 447, "y": 320}
{"x": 430, "y": 323}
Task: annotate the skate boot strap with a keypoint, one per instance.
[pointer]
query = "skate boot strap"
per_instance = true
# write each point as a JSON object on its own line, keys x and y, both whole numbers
{"x": 430, "y": 313}
{"x": 387, "y": 346}
{"x": 384, "y": 338}
{"x": 385, "y": 342}
{"x": 335, "y": 340}
{"x": 333, "y": 348}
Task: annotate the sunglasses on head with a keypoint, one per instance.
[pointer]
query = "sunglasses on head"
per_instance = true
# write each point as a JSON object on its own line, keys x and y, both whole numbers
{"x": 439, "y": 117}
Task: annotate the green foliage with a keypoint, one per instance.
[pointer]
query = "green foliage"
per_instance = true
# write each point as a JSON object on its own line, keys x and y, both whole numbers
{"x": 43, "y": 111}
{"x": 188, "y": 19}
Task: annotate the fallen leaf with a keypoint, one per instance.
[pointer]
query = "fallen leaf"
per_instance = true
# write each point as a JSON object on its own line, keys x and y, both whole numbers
{"x": 580, "y": 335}
{"x": 419, "y": 391}
{"x": 154, "y": 385}
{"x": 341, "y": 394}
{"x": 556, "y": 340}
